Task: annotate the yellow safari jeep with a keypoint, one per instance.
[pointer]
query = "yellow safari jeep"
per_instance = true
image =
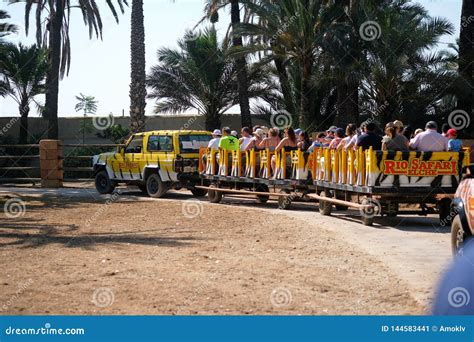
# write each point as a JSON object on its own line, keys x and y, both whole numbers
{"x": 155, "y": 161}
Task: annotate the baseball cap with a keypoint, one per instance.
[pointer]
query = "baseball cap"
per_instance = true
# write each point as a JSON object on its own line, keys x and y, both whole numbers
{"x": 217, "y": 132}
{"x": 298, "y": 131}
{"x": 332, "y": 129}
{"x": 452, "y": 131}
{"x": 234, "y": 133}
{"x": 339, "y": 132}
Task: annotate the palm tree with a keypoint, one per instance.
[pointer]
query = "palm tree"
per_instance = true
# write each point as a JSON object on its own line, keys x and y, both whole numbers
{"x": 200, "y": 75}
{"x": 398, "y": 60}
{"x": 138, "y": 75}
{"x": 466, "y": 57}
{"x": 291, "y": 32}
{"x": 6, "y": 28}
{"x": 22, "y": 76}
{"x": 56, "y": 39}
{"x": 88, "y": 105}
{"x": 212, "y": 8}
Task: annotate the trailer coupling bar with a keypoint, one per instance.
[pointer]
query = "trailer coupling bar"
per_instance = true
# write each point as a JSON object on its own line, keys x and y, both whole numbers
{"x": 243, "y": 192}
{"x": 340, "y": 202}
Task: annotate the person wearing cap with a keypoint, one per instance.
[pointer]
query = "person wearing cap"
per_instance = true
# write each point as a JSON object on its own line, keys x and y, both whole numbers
{"x": 228, "y": 142}
{"x": 430, "y": 140}
{"x": 338, "y": 136}
{"x": 235, "y": 134}
{"x": 214, "y": 142}
{"x": 330, "y": 132}
{"x": 258, "y": 137}
{"x": 444, "y": 130}
{"x": 454, "y": 144}
{"x": 393, "y": 139}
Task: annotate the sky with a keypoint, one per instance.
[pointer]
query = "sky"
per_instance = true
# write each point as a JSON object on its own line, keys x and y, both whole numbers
{"x": 102, "y": 68}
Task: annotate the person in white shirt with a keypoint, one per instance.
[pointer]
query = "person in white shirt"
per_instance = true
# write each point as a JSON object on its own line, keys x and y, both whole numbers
{"x": 246, "y": 138}
{"x": 216, "y": 138}
{"x": 429, "y": 140}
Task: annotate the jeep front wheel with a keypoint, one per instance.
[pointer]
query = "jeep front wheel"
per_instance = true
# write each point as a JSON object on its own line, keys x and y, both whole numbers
{"x": 155, "y": 187}
{"x": 103, "y": 184}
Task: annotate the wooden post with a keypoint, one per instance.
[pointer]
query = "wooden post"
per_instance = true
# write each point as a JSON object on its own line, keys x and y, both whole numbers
{"x": 51, "y": 163}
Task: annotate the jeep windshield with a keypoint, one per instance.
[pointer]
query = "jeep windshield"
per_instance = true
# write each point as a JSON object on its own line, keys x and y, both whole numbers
{"x": 193, "y": 142}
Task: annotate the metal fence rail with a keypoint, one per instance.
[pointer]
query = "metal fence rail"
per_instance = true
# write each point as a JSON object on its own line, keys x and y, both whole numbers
{"x": 17, "y": 166}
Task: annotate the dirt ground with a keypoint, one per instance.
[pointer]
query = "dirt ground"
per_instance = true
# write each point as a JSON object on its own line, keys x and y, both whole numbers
{"x": 132, "y": 256}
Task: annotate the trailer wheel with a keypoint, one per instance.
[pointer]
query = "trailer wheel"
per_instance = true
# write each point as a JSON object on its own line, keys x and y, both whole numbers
{"x": 284, "y": 202}
{"x": 368, "y": 214}
{"x": 444, "y": 210}
{"x": 458, "y": 235}
{"x": 214, "y": 196}
{"x": 325, "y": 207}
{"x": 262, "y": 188}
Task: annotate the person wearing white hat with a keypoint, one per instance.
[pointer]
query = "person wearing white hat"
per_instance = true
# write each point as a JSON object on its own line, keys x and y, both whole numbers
{"x": 258, "y": 137}
{"x": 216, "y": 138}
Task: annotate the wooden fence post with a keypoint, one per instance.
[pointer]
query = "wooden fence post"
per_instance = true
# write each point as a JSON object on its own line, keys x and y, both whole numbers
{"x": 51, "y": 163}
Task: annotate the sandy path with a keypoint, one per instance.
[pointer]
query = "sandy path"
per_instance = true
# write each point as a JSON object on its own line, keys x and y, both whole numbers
{"x": 141, "y": 256}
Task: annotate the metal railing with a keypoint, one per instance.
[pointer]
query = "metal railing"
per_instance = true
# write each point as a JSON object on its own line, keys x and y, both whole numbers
{"x": 20, "y": 164}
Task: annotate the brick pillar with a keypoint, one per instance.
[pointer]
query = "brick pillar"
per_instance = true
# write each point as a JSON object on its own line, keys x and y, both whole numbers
{"x": 51, "y": 163}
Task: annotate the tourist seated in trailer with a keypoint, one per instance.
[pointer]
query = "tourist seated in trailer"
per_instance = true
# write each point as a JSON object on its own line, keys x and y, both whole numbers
{"x": 351, "y": 130}
{"x": 318, "y": 142}
{"x": 214, "y": 142}
{"x": 408, "y": 132}
{"x": 228, "y": 142}
{"x": 369, "y": 138}
{"x": 399, "y": 126}
{"x": 417, "y": 131}
{"x": 338, "y": 136}
{"x": 304, "y": 142}
{"x": 289, "y": 142}
{"x": 430, "y": 140}
{"x": 454, "y": 144}
{"x": 258, "y": 137}
{"x": 353, "y": 142}
{"x": 246, "y": 134}
{"x": 444, "y": 130}
{"x": 271, "y": 141}
{"x": 393, "y": 141}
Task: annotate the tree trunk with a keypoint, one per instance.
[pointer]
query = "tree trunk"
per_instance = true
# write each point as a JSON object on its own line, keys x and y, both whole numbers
{"x": 285, "y": 85}
{"x": 305, "y": 104}
{"x": 242, "y": 76}
{"x": 138, "y": 75}
{"x": 466, "y": 58}
{"x": 52, "y": 78}
{"x": 212, "y": 119}
{"x": 347, "y": 103}
{"x": 24, "y": 111}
